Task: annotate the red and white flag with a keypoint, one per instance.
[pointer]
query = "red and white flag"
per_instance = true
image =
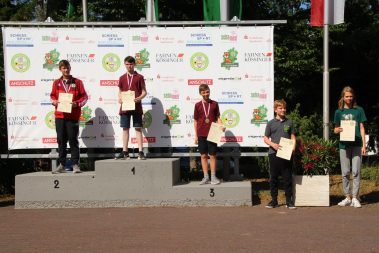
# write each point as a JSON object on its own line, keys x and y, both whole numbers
{"x": 335, "y": 13}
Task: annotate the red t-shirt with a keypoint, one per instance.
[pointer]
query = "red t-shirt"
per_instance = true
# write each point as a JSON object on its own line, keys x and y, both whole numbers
{"x": 75, "y": 87}
{"x": 137, "y": 85}
{"x": 200, "y": 116}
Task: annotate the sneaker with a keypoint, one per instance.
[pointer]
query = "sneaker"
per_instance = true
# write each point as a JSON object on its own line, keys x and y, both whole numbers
{"x": 59, "y": 169}
{"x": 290, "y": 205}
{"x": 272, "y": 204}
{"x": 215, "y": 180}
{"x": 141, "y": 156}
{"x": 355, "y": 203}
{"x": 76, "y": 169}
{"x": 205, "y": 181}
{"x": 345, "y": 202}
{"x": 122, "y": 156}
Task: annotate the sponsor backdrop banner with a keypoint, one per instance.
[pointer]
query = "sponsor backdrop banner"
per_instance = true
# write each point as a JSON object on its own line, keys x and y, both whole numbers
{"x": 236, "y": 62}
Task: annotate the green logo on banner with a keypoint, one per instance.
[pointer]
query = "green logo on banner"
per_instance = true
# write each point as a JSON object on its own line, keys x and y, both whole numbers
{"x": 147, "y": 119}
{"x": 230, "y": 118}
{"x": 229, "y": 59}
{"x": 51, "y": 60}
{"x": 199, "y": 61}
{"x": 50, "y": 120}
{"x": 259, "y": 115}
{"x": 111, "y": 62}
{"x": 20, "y": 63}
{"x": 85, "y": 117}
{"x": 142, "y": 59}
{"x": 172, "y": 116}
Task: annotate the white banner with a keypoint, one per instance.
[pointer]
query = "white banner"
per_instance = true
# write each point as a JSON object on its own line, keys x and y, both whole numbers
{"x": 236, "y": 62}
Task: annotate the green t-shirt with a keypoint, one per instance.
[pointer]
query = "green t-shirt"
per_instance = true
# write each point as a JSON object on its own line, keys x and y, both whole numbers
{"x": 358, "y": 115}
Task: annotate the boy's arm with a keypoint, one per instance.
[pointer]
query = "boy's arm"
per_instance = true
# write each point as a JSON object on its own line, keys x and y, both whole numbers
{"x": 219, "y": 121}
{"x": 119, "y": 96}
{"x": 195, "y": 126}
{"x": 54, "y": 95}
{"x": 143, "y": 93}
{"x": 267, "y": 140}
{"x": 363, "y": 135}
{"x": 293, "y": 137}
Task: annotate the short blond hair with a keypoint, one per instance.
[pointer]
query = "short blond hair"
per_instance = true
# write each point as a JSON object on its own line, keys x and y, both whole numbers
{"x": 280, "y": 102}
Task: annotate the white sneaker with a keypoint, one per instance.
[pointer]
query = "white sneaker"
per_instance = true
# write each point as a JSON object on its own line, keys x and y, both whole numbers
{"x": 355, "y": 203}
{"x": 76, "y": 169}
{"x": 345, "y": 202}
{"x": 59, "y": 169}
{"x": 215, "y": 180}
{"x": 204, "y": 181}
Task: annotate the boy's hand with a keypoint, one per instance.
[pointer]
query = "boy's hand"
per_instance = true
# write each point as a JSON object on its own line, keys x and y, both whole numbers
{"x": 275, "y": 146}
{"x": 338, "y": 130}
{"x": 196, "y": 140}
{"x": 54, "y": 102}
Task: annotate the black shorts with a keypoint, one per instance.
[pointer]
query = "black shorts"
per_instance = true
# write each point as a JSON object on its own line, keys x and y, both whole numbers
{"x": 207, "y": 147}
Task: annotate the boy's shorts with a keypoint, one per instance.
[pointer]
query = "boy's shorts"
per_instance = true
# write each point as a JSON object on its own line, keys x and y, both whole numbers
{"x": 125, "y": 120}
{"x": 206, "y": 147}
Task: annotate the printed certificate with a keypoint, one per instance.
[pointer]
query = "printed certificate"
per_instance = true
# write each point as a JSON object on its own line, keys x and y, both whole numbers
{"x": 215, "y": 132}
{"x": 65, "y": 102}
{"x": 285, "y": 151}
{"x": 127, "y": 98}
{"x": 348, "y": 132}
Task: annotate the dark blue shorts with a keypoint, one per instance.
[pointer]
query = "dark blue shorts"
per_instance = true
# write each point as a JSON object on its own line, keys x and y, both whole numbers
{"x": 125, "y": 120}
{"x": 206, "y": 147}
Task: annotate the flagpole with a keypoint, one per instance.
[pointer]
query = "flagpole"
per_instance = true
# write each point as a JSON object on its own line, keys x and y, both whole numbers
{"x": 224, "y": 10}
{"x": 326, "y": 72}
{"x": 84, "y": 2}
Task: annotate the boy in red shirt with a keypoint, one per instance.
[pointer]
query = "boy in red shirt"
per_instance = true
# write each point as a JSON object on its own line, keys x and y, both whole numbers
{"x": 67, "y": 124}
{"x": 206, "y": 112}
{"x": 131, "y": 81}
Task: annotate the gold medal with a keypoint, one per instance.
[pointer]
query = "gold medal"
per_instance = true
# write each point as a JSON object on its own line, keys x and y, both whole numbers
{"x": 207, "y": 120}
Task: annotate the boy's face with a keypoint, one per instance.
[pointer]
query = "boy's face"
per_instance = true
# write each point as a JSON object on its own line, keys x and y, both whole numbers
{"x": 205, "y": 94}
{"x": 65, "y": 70}
{"x": 129, "y": 66}
{"x": 281, "y": 111}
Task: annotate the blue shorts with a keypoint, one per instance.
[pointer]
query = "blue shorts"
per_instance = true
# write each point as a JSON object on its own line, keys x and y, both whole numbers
{"x": 125, "y": 120}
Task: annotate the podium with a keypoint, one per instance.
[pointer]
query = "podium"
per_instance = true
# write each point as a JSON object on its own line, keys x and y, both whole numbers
{"x": 126, "y": 183}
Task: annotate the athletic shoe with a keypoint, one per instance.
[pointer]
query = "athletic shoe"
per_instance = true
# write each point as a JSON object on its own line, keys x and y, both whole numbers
{"x": 345, "y": 202}
{"x": 205, "y": 181}
{"x": 290, "y": 205}
{"x": 122, "y": 156}
{"x": 272, "y": 204}
{"x": 59, "y": 169}
{"x": 215, "y": 180}
{"x": 76, "y": 169}
{"x": 355, "y": 203}
{"x": 141, "y": 156}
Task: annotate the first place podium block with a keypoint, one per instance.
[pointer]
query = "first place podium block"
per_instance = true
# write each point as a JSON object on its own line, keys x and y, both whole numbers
{"x": 125, "y": 183}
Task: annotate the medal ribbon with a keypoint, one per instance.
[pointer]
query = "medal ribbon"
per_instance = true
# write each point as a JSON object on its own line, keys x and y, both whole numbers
{"x": 209, "y": 107}
{"x": 130, "y": 81}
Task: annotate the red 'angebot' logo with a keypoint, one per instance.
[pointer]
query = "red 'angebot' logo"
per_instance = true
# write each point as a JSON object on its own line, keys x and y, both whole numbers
{"x": 22, "y": 83}
{"x": 200, "y": 81}
{"x": 145, "y": 140}
{"x": 108, "y": 82}
{"x": 232, "y": 139}
{"x": 49, "y": 140}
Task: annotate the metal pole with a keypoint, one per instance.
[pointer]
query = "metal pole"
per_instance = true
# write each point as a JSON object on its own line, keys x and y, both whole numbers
{"x": 150, "y": 11}
{"x": 84, "y": 10}
{"x": 224, "y": 10}
{"x": 326, "y": 72}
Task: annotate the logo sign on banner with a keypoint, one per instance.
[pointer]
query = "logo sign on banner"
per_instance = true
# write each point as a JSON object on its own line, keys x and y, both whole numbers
{"x": 237, "y": 64}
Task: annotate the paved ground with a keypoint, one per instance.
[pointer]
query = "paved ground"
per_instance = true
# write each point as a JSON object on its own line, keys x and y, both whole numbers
{"x": 196, "y": 229}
